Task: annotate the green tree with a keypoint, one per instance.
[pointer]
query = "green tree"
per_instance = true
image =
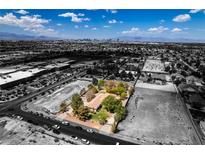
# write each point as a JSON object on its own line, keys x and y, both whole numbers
{"x": 84, "y": 113}
{"x": 76, "y": 103}
{"x": 114, "y": 127}
{"x": 120, "y": 113}
{"x": 110, "y": 103}
{"x": 63, "y": 106}
{"x": 101, "y": 83}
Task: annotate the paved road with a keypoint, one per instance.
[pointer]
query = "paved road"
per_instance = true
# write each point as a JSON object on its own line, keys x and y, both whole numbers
{"x": 193, "y": 69}
{"x": 94, "y": 137}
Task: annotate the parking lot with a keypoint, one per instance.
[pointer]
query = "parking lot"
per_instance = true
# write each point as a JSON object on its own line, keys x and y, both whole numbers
{"x": 53, "y": 99}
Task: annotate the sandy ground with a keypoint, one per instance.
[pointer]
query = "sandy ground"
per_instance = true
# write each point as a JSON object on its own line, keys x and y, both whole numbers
{"x": 15, "y": 132}
{"x": 52, "y": 102}
{"x": 156, "y": 117}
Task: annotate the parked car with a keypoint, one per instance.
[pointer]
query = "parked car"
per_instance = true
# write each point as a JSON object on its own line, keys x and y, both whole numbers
{"x": 19, "y": 117}
{"x": 74, "y": 137}
{"x": 65, "y": 123}
{"x": 85, "y": 141}
{"x": 56, "y": 127}
{"x": 117, "y": 143}
{"x": 89, "y": 130}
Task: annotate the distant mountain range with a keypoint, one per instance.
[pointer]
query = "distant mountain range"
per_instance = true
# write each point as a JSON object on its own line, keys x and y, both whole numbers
{"x": 14, "y": 36}
{"x": 157, "y": 39}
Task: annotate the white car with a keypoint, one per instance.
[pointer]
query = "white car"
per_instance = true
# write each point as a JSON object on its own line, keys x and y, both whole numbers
{"x": 65, "y": 123}
{"x": 85, "y": 141}
{"x": 19, "y": 117}
{"x": 90, "y": 131}
{"x": 56, "y": 127}
{"x": 74, "y": 137}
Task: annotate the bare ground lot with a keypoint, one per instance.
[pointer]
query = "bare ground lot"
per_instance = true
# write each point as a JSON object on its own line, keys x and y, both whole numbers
{"x": 156, "y": 117}
{"x": 52, "y": 102}
{"x": 15, "y": 132}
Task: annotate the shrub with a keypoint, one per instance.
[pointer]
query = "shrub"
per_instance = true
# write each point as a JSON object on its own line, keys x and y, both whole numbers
{"x": 131, "y": 91}
{"x": 89, "y": 96}
{"x": 123, "y": 95}
{"x": 101, "y": 83}
{"x": 101, "y": 116}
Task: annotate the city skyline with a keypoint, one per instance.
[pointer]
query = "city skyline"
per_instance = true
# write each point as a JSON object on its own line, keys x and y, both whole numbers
{"x": 105, "y": 24}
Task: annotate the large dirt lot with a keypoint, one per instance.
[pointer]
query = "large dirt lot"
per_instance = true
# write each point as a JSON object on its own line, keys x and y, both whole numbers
{"x": 156, "y": 117}
{"x": 52, "y": 101}
{"x": 15, "y": 132}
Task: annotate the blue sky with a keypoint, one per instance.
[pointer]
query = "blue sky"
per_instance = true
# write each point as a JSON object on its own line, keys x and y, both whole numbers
{"x": 105, "y": 23}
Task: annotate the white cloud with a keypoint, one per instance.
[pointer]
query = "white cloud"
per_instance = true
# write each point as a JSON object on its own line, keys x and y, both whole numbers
{"x": 81, "y": 14}
{"x": 195, "y": 10}
{"x": 111, "y": 11}
{"x": 182, "y": 18}
{"x": 106, "y": 26}
{"x": 176, "y": 30}
{"x": 159, "y": 29}
{"x": 94, "y": 28}
{"x": 59, "y": 24}
{"x": 133, "y": 30}
{"x": 86, "y": 26}
{"x": 28, "y": 23}
{"x": 74, "y": 17}
{"x": 113, "y": 21}
{"x": 23, "y": 12}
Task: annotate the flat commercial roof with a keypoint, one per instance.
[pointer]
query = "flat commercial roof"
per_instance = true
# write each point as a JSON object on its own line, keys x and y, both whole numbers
{"x": 19, "y": 75}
